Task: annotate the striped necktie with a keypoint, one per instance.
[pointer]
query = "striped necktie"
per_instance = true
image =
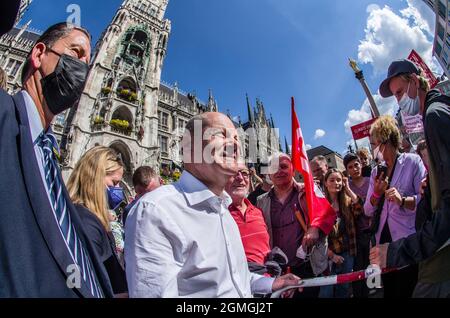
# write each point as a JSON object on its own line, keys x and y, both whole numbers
{"x": 48, "y": 144}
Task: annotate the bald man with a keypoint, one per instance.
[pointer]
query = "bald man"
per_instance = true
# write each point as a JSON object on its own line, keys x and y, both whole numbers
{"x": 181, "y": 240}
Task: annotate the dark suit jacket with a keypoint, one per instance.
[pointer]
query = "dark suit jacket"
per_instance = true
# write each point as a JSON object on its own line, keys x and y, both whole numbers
{"x": 434, "y": 233}
{"x": 106, "y": 248}
{"x": 33, "y": 257}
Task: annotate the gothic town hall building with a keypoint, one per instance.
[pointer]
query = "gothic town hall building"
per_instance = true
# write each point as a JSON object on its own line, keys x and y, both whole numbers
{"x": 125, "y": 105}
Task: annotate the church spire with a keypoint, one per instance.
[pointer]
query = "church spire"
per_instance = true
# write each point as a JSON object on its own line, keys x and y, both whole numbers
{"x": 22, "y": 30}
{"x": 286, "y": 145}
{"x": 212, "y": 104}
{"x": 272, "y": 124}
{"x": 251, "y": 119}
{"x": 24, "y": 4}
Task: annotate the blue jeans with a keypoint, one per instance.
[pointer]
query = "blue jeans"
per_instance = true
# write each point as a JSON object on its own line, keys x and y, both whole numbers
{"x": 342, "y": 290}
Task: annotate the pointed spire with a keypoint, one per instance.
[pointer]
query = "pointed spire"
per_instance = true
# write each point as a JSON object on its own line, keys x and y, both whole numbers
{"x": 24, "y": 5}
{"x": 272, "y": 125}
{"x": 175, "y": 93}
{"x": 263, "y": 110}
{"x": 251, "y": 118}
{"x": 22, "y": 30}
{"x": 259, "y": 115}
{"x": 210, "y": 95}
{"x": 128, "y": 3}
{"x": 212, "y": 104}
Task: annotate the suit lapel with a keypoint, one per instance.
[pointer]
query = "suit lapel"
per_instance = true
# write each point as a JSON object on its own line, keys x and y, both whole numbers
{"x": 99, "y": 268}
{"x": 37, "y": 194}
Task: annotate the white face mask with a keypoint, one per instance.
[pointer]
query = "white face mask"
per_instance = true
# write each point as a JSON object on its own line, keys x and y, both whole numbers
{"x": 408, "y": 105}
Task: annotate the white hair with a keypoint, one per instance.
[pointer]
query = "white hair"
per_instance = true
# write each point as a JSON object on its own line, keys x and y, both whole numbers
{"x": 274, "y": 162}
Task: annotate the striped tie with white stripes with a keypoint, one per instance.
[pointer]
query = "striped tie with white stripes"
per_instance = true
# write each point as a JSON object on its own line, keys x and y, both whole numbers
{"x": 48, "y": 144}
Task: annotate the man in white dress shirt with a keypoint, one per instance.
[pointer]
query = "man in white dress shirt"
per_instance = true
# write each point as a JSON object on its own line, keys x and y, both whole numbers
{"x": 181, "y": 240}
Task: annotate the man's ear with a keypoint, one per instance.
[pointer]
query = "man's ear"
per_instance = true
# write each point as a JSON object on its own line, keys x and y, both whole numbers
{"x": 37, "y": 55}
{"x": 138, "y": 189}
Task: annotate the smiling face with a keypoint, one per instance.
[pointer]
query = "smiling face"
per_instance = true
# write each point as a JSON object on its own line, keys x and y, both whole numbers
{"x": 238, "y": 185}
{"x": 220, "y": 146}
{"x": 334, "y": 182}
{"x": 285, "y": 173}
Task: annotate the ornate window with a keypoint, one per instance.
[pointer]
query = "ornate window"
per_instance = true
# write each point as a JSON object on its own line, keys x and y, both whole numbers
{"x": 163, "y": 141}
{"x": 135, "y": 46}
{"x": 127, "y": 90}
{"x": 122, "y": 121}
{"x": 163, "y": 120}
{"x": 13, "y": 67}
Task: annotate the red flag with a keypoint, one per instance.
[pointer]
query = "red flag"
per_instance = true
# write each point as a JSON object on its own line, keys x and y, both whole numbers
{"x": 320, "y": 212}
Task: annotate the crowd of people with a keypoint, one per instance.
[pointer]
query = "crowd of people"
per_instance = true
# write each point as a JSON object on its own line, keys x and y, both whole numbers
{"x": 222, "y": 229}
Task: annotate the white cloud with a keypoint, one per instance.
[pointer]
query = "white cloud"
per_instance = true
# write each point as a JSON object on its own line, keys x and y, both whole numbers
{"x": 421, "y": 14}
{"x": 386, "y": 106}
{"x": 308, "y": 147}
{"x": 390, "y": 36}
{"x": 319, "y": 134}
{"x": 372, "y": 7}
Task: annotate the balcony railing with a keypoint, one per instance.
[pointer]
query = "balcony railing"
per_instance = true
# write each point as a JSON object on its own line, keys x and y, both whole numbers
{"x": 164, "y": 154}
{"x": 125, "y": 132}
{"x": 104, "y": 127}
{"x": 58, "y": 128}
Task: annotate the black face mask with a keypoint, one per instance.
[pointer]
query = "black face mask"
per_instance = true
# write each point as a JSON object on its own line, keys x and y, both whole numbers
{"x": 63, "y": 88}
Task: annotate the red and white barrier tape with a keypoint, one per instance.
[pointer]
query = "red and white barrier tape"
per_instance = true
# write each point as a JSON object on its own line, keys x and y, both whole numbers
{"x": 337, "y": 279}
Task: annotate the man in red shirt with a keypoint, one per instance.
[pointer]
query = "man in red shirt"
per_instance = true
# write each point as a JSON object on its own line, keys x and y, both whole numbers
{"x": 249, "y": 218}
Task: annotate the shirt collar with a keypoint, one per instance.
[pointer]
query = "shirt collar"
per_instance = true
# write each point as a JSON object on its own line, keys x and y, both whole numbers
{"x": 233, "y": 208}
{"x": 34, "y": 120}
{"x": 272, "y": 193}
{"x": 196, "y": 192}
{"x": 401, "y": 158}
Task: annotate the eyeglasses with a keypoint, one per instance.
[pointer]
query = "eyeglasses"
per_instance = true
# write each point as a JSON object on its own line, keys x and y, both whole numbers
{"x": 245, "y": 174}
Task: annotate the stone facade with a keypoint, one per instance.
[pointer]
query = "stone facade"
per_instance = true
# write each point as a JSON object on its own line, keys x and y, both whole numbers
{"x": 124, "y": 104}
{"x": 14, "y": 48}
{"x": 334, "y": 159}
{"x": 24, "y": 4}
{"x": 119, "y": 104}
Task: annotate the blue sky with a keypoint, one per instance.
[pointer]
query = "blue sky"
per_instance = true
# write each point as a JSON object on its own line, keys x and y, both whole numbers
{"x": 275, "y": 49}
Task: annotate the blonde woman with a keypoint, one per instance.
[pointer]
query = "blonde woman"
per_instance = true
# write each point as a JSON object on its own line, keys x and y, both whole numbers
{"x": 99, "y": 170}
{"x": 392, "y": 198}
